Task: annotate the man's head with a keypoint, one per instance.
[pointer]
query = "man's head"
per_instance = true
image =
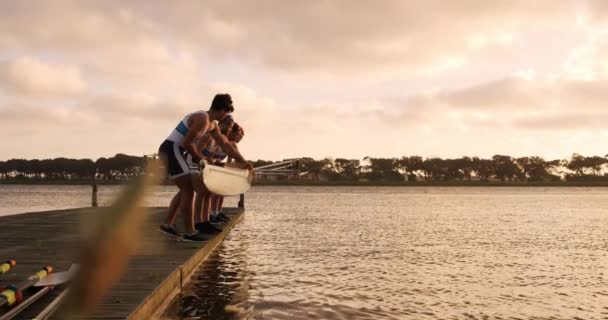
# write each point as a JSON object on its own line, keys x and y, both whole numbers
{"x": 226, "y": 125}
{"x": 221, "y": 106}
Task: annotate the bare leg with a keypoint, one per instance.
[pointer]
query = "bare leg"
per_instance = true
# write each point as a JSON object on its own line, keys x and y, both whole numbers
{"x": 200, "y": 190}
{"x": 213, "y": 202}
{"x": 220, "y": 203}
{"x": 173, "y": 206}
{"x": 184, "y": 183}
{"x": 198, "y": 206}
{"x": 206, "y": 206}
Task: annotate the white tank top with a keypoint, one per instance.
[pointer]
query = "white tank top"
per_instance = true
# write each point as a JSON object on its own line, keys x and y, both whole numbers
{"x": 181, "y": 130}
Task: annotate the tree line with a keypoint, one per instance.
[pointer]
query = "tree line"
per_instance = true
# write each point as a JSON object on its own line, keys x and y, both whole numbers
{"x": 499, "y": 168}
{"x": 121, "y": 167}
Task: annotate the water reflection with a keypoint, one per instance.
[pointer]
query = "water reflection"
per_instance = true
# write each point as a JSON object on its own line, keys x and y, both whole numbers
{"x": 222, "y": 287}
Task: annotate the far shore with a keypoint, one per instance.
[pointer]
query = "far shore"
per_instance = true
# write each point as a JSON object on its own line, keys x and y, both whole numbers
{"x": 346, "y": 183}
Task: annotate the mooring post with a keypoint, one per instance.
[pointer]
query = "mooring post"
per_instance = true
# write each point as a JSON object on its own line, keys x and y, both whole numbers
{"x": 94, "y": 195}
{"x": 242, "y": 201}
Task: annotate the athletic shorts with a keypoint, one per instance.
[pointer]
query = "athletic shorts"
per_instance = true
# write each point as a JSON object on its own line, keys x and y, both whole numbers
{"x": 175, "y": 159}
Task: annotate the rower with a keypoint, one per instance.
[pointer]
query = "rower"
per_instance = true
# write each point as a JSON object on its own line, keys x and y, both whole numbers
{"x": 173, "y": 152}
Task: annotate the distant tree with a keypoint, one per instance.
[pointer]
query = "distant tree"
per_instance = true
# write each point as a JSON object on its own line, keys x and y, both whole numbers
{"x": 410, "y": 166}
{"x": 383, "y": 169}
{"x": 505, "y": 168}
{"x": 434, "y": 169}
{"x": 466, "y": 165}
{"x": 577, "y": 164}
{"x": 316, "y": 168}
{"x": 536, "y": 169}
{"x": 482, "y": 168}
{"x": 346, "y": 169}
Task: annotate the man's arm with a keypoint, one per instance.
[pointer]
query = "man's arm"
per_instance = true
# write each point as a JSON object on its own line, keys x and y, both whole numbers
{"x": 203, "y": 142}
{"x": 197, "y": 123}
{"x": 230, "y": 150}
{"x": 230, "y": 159}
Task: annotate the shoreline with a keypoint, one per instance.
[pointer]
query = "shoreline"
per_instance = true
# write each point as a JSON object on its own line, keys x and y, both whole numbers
{"x": 343, "y": 183}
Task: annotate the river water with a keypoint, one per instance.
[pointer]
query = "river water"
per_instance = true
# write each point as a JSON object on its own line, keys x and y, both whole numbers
{"x": 393, "y": 253}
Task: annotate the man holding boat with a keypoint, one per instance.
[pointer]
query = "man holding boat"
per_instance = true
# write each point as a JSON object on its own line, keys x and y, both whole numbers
{"x": 205, "y": 144}
{"x": 182, "y": 141}
{"x": 210, "y": 216}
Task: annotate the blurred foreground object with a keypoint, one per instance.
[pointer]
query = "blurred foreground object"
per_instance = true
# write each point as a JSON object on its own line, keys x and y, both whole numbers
{"x": 106, "y": 252}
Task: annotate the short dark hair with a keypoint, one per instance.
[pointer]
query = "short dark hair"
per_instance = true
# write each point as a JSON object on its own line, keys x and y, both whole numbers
{"x": 222, "y": 102}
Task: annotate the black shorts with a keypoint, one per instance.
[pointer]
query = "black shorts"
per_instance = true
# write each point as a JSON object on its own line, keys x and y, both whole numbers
{"x": 175, "y": 159}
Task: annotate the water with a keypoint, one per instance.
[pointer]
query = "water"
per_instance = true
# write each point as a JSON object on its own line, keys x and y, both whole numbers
{"x": 397, "y": 253}
{"x": 15, "y": 199}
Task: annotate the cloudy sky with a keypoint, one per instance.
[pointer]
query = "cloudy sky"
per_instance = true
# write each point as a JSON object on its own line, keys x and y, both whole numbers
{"x": 318, "y": 78}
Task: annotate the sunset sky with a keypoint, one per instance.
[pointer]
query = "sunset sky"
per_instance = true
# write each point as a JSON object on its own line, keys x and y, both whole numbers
{"x": 337, "y": 78}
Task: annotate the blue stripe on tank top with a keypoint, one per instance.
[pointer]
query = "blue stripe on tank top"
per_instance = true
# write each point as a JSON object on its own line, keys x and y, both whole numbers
{"x": 181, "y": 128}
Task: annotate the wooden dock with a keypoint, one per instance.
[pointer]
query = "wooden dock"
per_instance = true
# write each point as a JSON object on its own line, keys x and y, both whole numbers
{"x": 152, "y": 280}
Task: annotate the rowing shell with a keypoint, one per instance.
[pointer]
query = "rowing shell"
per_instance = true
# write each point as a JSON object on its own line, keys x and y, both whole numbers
{"x": 225, "y": 181}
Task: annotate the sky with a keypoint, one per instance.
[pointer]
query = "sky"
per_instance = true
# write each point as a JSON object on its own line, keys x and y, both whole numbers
{"x": 318, "y": 78}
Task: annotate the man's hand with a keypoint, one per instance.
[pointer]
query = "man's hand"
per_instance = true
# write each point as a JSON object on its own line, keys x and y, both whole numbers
{"x": 246, "y": 165}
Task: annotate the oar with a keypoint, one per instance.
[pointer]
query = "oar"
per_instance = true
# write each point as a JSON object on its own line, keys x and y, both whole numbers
{"x": 277, "y": 165}
{"x": 48, "y": 284}
{"x": 274, "y": 172}
{"x": 7, "y": 266}
{"x": 53, "y": 306}
{"x": 26, "y": 303}
{"x": 58, "y": 278}
{"x": 13, "y": 294}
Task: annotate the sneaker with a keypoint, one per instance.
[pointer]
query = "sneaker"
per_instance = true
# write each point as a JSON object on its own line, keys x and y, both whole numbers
{"x": 170, "y": 230}
{"x": 207, "y": 227}
{"x": 215, "y": 220}
{"x": 222, "y": 217}
{"x": 196, "y": 237}
{"x": 216, "y": 228}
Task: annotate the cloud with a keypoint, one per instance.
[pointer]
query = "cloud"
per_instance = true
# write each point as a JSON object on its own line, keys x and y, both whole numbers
{"x": 597, "y": 10}
{"x": 31, "y": 77}
{"x": 515, "y": 103}
{"x": 343, "y": 37}
{"x": 113, "y": 45}
{"x": 569, "y": 121}
{"x": 314, "y": 37}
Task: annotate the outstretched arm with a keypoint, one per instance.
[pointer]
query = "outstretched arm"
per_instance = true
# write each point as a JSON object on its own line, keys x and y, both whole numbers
{"x": 230, "y": 150}
{"x": 230, "y": 159}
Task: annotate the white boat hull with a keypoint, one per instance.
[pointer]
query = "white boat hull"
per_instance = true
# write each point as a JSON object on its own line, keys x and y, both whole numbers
{"x": 226, "y": 181}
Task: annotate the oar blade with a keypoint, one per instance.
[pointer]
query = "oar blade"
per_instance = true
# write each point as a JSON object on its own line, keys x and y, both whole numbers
{"x": 58, "y": 278}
